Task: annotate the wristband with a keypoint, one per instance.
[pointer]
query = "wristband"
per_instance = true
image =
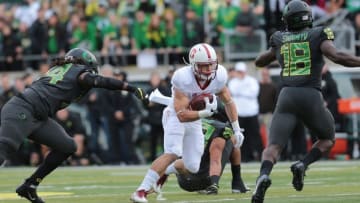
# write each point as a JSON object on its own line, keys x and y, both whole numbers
{"x": 204, "y": 113}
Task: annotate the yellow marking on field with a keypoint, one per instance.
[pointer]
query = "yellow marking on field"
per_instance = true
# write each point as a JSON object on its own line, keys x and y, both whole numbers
{"x": 8, "y": 196}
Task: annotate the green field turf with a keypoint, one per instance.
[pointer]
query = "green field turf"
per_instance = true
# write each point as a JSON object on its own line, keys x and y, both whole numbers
{"x": 326, "y": 182}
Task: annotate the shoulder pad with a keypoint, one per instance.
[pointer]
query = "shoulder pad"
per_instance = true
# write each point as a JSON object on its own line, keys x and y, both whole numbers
{"x": 182, "y": 76}
{"x": 221, "y": 74}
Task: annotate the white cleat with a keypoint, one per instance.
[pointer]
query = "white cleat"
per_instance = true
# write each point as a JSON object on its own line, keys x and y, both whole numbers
{"x": 139, "y": 197}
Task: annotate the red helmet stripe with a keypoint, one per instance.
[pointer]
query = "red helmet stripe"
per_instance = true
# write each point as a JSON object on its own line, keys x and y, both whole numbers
{"x": 207, "y": 51}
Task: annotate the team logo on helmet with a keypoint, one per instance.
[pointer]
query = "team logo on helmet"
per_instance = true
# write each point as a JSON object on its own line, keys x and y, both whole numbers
{"x": 192, "y": 53}
{"x": 86, "y": 57}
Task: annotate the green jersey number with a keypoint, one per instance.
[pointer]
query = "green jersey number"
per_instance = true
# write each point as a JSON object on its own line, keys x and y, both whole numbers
{"x": 57, "y": 73}
{"x": 296, "y": 57}
{"x": 208, "y": 130}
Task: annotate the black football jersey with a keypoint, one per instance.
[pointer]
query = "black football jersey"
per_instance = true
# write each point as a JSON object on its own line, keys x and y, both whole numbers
{"x": 56, "y": 90}
{"x": 300, "y": 56}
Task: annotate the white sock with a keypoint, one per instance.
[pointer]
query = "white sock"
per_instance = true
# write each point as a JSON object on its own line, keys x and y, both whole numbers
{"x": 150, "y": 179}
{"x": 171, "y": 169}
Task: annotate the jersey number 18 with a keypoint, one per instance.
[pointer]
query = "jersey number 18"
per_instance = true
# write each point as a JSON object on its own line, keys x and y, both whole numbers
{"x": 296, "y": 58}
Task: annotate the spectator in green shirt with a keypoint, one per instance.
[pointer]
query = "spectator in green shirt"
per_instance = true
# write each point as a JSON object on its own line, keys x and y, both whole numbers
{"x": 126, "y": 41}
{"x": 110, "y": 40}
{"x": 84, "y": 36}
{"x": 174, "y": 36}
{"x": 353, "y": 6}
{"x": 101, "y": 21}
{"x": 156, "y": 32}
{"x": 197, "y": 6}
{"x": 128, "y": 8}
{"x": 226, "y": 19}
{"x": 140, "y": 27}
{"x": 193, "y": 29}
{"x": 56, "y": 35}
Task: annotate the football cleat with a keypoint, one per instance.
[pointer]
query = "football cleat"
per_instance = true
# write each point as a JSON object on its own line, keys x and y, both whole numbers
{"x": 139, "y": 196}
{"x": 29, "y": 192}
{"x": 262, "y": 184}
{"x": 211, "y": 190}
{"x": 239, "y": 187}
{"x": 298, "y": 171}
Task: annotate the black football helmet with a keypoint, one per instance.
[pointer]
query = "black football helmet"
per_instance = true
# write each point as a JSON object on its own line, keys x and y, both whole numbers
{"x": 84, "y": 57}
{"x": 297, "y": 15}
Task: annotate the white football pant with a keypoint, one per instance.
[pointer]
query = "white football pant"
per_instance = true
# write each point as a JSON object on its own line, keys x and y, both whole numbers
{"x": 183, "y": 139}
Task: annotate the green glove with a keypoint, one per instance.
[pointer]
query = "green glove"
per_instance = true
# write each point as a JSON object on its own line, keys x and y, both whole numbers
{"x": 140, "y": 93}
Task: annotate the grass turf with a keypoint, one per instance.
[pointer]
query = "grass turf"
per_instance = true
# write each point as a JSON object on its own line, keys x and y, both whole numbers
{"x": 326, "y": 182}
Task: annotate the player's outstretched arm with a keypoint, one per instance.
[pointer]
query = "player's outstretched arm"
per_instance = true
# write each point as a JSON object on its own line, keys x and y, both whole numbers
{"x": 328, "y": 49}
{"x": 266, "y": 58}
{"x": 87, "y": 79}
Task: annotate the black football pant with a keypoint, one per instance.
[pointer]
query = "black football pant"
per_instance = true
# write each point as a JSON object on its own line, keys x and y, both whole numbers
{"x": 18, "y": 123}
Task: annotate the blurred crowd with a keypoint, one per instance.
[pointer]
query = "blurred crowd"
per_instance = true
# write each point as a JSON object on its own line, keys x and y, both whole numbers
{"x": 31, "y": 31}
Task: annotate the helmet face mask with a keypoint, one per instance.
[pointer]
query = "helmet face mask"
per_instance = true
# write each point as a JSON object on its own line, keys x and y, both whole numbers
{"x": 203, "y": 61}
{"x": 297, "y": 15}
{"x": 205, "y": 71}
{"x": 85, "y": 57}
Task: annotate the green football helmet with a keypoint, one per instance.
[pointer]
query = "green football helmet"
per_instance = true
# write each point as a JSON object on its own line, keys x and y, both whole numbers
{"x": 85, "y": 57}
{"x": 297, "y": 15}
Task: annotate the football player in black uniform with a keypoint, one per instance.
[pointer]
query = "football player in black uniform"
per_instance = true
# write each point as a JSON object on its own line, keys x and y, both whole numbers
{"x": 219, "y": 149}
{"x": 299, "y": 50}
{"x": 29, "y": 115}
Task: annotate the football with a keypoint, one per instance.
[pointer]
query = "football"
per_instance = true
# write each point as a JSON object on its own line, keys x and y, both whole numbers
{"x": 197, "y": 103}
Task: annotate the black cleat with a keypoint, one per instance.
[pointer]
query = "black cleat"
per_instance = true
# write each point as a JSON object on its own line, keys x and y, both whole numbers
{"x": 29, "y": 192}
{"x": 298, "y": 171}
{"x": 239, "y": 187}
{"x": 211, "y": 190}
{"x": 262, "y": 184}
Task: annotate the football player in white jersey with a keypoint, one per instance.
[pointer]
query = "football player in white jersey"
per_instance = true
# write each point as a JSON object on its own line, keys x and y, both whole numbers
{"x": 183, "y": 134}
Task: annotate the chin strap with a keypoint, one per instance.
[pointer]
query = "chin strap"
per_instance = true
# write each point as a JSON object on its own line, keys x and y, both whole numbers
{"x": 187, "y": 63}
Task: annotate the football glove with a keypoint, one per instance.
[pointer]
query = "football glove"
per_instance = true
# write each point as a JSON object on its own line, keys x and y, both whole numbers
{"x": 210, "y": 108}
{"x": 239, "y": 138}
{"x": 140, "y": 93}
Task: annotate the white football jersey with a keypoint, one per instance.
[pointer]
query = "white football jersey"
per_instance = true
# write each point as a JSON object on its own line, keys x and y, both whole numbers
{"x": 185, "y": 81}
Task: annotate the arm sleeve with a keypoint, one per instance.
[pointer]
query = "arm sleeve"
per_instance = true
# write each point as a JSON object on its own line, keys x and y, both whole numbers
{"x": 97, "y": 81}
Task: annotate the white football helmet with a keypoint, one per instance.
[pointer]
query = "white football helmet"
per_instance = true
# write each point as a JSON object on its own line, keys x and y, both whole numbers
{"x": 203, "y": 54}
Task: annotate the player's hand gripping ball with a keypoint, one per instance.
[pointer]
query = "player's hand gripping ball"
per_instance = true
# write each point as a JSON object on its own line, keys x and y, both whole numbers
{"x": 197, "y": 103}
